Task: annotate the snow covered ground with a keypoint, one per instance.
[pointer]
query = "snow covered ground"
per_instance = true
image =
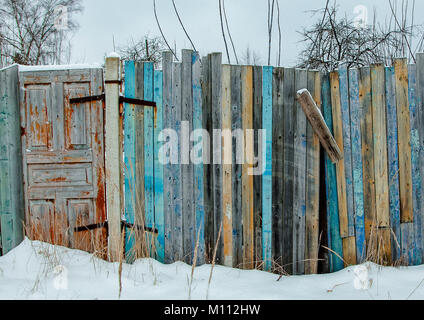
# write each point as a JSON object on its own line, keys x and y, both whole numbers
{"x": 37, "y": 270}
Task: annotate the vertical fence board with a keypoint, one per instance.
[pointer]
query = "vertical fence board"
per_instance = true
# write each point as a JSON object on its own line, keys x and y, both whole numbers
{"x": 236, "y": 169}
{"x": 227, "y": 202}
{"x": 312, "y": 183}
{"x": 149, "y": 151}
{"x": 158, "y": 167}
{"x": 407, "y": 242}
{"x": 404, "y": 141}
{"x": 168, "y": 120}
{"x": 207, "y": 166}
{"x": 347, "y": 146}
{"x": 335, "y": 239}
{"x": 257, "y": 179}
{"x": 198, "y": 166}
{"x": 277, "y": 164}
{"x": 289, "y": 167}
{"x": 420, "y": 114}
{"x": 393, "y": 162}
{"x": 216, "y": 80}
{"x": 380, "y": 143}
{"x": 247, "y": 177}
{"x": 415, "y": 163}
{"x": 176, "y": 207}
{"x": 189, "y": 236}
{"x": 340, "y": 166}
{"x": 299, "y": 193}
{"x": 11, "y": 188}
{"x": 267, "y": 161}
{"x": 357, "y": 173}
{"x": 130, "y": 159}
{"x": 368, "y": 155}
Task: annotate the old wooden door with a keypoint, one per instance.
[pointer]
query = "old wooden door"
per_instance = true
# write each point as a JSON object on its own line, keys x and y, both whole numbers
{"x": 63, "y": 157}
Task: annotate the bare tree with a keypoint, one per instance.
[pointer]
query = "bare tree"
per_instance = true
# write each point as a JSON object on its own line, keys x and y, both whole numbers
{"x": 35, "y": 32}
{"x": 333, "y": 40}
{"x": 250, "y": 57}
{"x": 145, "y": 49}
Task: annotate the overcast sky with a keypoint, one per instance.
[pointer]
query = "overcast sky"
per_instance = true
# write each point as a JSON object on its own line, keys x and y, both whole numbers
{"x": 125, "y": 19}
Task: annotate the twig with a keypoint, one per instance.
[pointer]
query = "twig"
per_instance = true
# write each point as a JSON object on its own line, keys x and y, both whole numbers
{"x": 228, "y": 30}
{"x": 213, "y": 260}
{"x": 161, "y": 32}
{"x": 223, "y": 33}
{"x": 182, "y": 25}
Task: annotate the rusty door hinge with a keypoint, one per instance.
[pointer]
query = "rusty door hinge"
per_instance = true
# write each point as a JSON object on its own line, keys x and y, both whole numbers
{"x": 124, "y": 224}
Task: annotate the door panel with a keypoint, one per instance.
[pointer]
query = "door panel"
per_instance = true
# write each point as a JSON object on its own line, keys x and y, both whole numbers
{"x": 63, "y": 156}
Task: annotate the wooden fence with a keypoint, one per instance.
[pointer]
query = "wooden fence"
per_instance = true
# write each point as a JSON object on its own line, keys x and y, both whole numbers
{"x": 375, "y": 199}
{"x": 187, "y": 164}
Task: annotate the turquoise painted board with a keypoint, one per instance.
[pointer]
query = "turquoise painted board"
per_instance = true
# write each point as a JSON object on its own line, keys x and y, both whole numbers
{"x": 335, "y": 241}
{"x": 149, "y": 147}
{"x": 357, "y": 165}
{"x": 267, "y": 162}
{"x": 415, "y": 159}
{"x": 347, "y": 142}
{"x": 129, "y": 158}
{"x": 159, "y": 217}
{"x": 393, "y": 161}
{"x": 198, "y": 167}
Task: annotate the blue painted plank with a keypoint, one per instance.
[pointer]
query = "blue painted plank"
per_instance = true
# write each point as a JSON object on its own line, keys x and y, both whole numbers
{"x": 357, "y": 165}
{"x": 158, "y": 168}
{"x": 267, "y": 161}
{"x": 198, "y": 167}
{"x": 393, "y": 161}
{"x": 347, "y": 143}
{"x": 415, "y": 160}
{"x": 149, "y": 148}
{"x": 129, "y": 158}
{"x": 334, "y": 238}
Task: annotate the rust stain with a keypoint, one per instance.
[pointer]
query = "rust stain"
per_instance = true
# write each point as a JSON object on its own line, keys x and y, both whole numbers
{"x": 100, "y": 200}
{"x": 155, "y": 113}
{"x": 59, "y": 179}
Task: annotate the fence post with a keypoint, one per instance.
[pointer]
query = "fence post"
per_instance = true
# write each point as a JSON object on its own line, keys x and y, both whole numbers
{"x": 113, "y": 157}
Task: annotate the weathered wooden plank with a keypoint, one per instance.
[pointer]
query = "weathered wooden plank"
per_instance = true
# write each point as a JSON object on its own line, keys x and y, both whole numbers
{"x": 349, "y": 251}
{"x": 227, "y": 196}
{"x": 158, "y": 166}
{"x": 247, "y": 177}
{"x": 11, "y": 187}
{"x": 168, "y": 121}
{"x": 289, "y": 116}
{"x": 149, "y": 152}
{"x": 340, "y": 166}
{"x": 312, "y": 182}
{"x": 315, "y": 119}
{"x": 420, "y": 113}
{"x": 335, "y": 239}
{"x": 367, "y": 141}
{"x": 198, "y": 165}
{"x": 237, "y": 159}
{"x": 407, "y": 242}
{"x": 187, "y": 192}
{"x": 267, "y": 162}
{"x": 404, "y": 140}
{"x": 130, "y": 160}
{"x": 177, "y": 218}
{"x": 380, "y": 143}
{"x": 257, "y": 179}
{"x": 113, "y": 158}
{"x": 208, "y": 178}
{"x": 277, "y": 164}
{"x": 216, "y": 81}
{"x": 299, "y": 185}
{"x": 347, "y": 146}
{"x": 393, "y": 162}
{"x": 415, "y": 163}
{"x": 357, "y": 167}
